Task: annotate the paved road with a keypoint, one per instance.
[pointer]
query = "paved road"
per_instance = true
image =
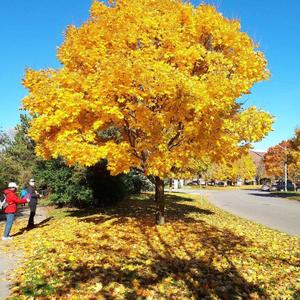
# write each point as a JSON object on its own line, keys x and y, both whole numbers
{"x": 261, "y": 207}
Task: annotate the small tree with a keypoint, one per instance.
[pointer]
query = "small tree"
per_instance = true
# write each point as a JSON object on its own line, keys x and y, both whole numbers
{"x": 242, "y": 167}
{"x": 17, "y": 157}
{"x": 6, "y": 164}
{"x": 164, "y": 74}
{"x": 66, "y": 185}
{"x": 295, "y": 154}
{"x": 277, "y": 156}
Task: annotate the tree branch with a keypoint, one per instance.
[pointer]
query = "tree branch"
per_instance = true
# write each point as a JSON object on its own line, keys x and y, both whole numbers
{"x": 174, "y": 138}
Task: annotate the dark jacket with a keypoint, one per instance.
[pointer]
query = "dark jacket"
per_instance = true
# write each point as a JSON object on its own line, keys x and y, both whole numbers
{"x": 12, "y": 200}
{"x": 33, "y": 197}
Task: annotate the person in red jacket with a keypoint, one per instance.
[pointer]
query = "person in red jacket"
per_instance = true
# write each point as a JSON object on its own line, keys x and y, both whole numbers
{"x": 12, "y": 200}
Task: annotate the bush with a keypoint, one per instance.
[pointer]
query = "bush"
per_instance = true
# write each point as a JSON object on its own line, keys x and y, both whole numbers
{"x": 82, "y": 187}
{"x": 106, "y": 189}
{"x": 136, "y": 182}
{"x": 65, "y": 185}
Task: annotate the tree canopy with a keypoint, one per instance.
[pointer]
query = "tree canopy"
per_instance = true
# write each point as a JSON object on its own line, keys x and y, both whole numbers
{"x": 277, "y": 156}
{"x": 148, "y": 85}
{"x": 17, "y": 156}
{"x": 242, "y": 168}
{"x": 164, "y": 74}
{"x": 295, "y": 151}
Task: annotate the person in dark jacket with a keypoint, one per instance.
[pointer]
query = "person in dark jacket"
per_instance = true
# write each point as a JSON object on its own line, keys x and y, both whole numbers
{"x": 34, "y": 195}
{"x": 12, "y": 200}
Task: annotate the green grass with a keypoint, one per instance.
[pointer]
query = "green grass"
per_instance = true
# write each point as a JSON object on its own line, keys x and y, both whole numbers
{"x": 45, "y": 201}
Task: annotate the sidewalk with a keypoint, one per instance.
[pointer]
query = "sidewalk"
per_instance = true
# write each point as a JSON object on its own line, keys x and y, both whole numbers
{"x": 10, "y": 258}
{"x": 8, "y": 262}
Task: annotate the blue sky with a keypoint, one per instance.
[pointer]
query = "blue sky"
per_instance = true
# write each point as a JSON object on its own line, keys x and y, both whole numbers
{"x": 31, "y": 31}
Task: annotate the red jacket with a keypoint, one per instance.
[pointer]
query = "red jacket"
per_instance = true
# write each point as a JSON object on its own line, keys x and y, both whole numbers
{"x": 12, "y": 200}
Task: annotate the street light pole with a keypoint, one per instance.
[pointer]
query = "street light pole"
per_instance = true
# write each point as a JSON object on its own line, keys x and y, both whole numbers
{"x": 285, "y": 175}
{"x": 285, "y": 167}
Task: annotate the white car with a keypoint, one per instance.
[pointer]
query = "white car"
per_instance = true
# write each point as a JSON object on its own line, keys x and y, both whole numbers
{"x": 265, "y": 188}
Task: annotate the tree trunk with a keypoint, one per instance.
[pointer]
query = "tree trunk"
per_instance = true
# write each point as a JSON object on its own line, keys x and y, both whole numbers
{"x": 160, "y": 201}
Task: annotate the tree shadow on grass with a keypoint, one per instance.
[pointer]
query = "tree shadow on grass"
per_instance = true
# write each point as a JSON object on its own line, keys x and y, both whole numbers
{"x": 43, "y": 223}
{"x": 200, "y": 278}
{"x": 196, "y": 275}
{"x": 177, "y": 208}
{"x": 195, "y": 257}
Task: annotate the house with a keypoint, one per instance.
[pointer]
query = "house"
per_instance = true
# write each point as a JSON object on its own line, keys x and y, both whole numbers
{"x": 258, "y": 159}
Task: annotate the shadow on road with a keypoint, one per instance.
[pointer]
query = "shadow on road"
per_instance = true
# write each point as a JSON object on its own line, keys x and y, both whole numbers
{"x": 276, "y": 195}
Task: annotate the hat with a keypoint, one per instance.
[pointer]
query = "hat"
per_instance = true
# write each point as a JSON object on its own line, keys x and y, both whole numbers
{"x": 12, "y": 185}
{"x": 31, "y": 180}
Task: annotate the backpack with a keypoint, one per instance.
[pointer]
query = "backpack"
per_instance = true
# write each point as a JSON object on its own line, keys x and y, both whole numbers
{"x": 24, "y": 194}
{"x": 3, "y": 203}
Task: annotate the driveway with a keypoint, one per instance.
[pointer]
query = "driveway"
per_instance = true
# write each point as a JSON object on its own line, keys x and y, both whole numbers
{"x": 261, "y": 207}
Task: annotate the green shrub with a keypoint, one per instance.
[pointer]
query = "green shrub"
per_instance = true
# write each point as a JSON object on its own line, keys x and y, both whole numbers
{"x": 65, "y": 185}
{"x": 136, "y": 182}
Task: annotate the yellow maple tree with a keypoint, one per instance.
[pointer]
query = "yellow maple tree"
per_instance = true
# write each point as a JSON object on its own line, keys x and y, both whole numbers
{"x": 163, "y": 74}
{"x": 242, "y": 167}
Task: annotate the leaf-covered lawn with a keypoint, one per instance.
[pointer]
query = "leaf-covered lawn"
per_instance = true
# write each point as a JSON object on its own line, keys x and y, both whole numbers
{"x": 201, "y": 253}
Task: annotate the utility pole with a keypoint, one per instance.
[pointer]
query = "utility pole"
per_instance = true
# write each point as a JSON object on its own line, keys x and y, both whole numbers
{"x": 285, "y": 167}
{"x": 285, "y": 174}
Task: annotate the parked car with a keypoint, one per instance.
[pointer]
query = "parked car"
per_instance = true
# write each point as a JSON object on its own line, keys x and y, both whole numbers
{"x": 265, "y": 187}
{"x": 273, "y": 187}
{"x": 268, "y": 187}
{"x": 281, "y": 186}
{"x": 194, "y": 182}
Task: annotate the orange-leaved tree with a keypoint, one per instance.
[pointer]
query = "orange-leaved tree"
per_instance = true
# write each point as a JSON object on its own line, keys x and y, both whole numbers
{"x": 277, "y": 156}
{"x": 148, "y": 84}
{"x": 295, "y": 153}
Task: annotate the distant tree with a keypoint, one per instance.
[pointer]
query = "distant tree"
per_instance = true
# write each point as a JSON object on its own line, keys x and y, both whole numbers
{"x": 4, "y": 141}
{"x": 17, "y": 156}
{"x": 6, "y": 165}
{"x": 242, "y": 167}
{"x": 276, "y": 157}
{"x": 21, "y": 146}
{"x": 196, "y": 167}
{"x": 260, "y": 172}
{"x": 295, "y": 153}
{"x": 245, "y": 167}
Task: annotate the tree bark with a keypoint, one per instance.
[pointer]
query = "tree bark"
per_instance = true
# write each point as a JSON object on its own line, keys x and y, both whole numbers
{"x": 160, "y": 201}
